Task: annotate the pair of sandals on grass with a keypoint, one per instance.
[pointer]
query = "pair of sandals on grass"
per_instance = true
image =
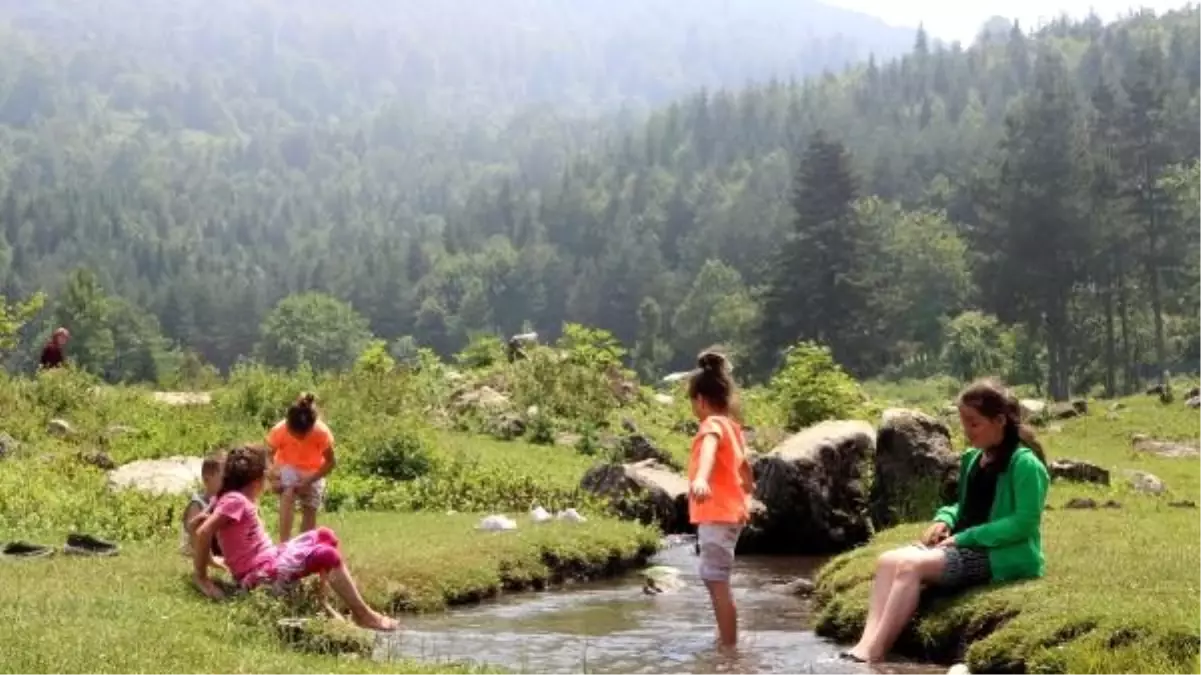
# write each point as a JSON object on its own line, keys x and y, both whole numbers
{"x": 77, "y": 544}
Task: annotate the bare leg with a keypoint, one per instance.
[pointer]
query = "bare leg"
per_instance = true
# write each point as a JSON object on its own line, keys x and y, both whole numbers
{"x": 342, "y": 583}
{"x": 916, "y": 567}
{"x": 323, "y": 598}
{"x": 886, "y": 572}
{"x": 724, "y": 611}
{"x": 287, "y": 506}
{"x": 308, "y": 518}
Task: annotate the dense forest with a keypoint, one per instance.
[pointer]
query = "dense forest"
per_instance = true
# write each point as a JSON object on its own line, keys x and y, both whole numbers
{"x": 226, "y": 180}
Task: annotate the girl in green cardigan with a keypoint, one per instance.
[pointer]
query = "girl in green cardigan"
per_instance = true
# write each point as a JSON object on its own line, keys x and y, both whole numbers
{"x": 990, "y": 534}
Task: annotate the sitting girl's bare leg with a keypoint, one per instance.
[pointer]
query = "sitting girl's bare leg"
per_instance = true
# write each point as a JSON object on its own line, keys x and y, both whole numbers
{"x": 342, "y": 583}
{"x": 886, "y": 572}
{"x": 913, "y": 567}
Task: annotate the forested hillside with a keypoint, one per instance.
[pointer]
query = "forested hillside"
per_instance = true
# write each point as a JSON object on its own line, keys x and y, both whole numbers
{"x": 1027, "y": 205}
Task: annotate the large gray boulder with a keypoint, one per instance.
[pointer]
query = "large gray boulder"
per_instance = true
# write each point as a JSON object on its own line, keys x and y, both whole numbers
{"x": 172, "y": 475}
{"x": 915, "y": 469}
{"x": 813, "y": 493}
{"x": 646, "y": 491}
{"x": 638, "y": 448}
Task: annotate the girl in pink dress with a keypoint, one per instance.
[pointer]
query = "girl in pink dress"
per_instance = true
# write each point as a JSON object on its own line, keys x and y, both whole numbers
{"x": 251, "y": 557}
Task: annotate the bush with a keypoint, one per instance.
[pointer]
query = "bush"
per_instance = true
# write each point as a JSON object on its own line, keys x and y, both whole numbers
{"x": 484, "y": 351}
{"x": 398, "y": 455}
{"x": 811, "y": 387}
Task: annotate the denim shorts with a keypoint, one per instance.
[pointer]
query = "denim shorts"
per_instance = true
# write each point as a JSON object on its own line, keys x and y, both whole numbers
{"x": 715, "y": 544}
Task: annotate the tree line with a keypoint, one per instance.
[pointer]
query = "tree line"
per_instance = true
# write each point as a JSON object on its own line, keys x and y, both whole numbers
{"x": 1025, "y": 205}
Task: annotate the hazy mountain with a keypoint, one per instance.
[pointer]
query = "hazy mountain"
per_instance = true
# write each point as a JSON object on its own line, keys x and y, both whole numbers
{"x": 457, "y": 55}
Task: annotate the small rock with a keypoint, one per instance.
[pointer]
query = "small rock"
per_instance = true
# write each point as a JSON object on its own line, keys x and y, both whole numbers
{"x": 629, "y": 426}
{"x": 1065, "y": 411}
{"x": 1183, "y": 504}
{"x": 1112, "y": 416}
{"x": 567, "y": 440}
{"x": 950, "y": 410}
{"x": 637, "y": 448}
{"x": 60, "y": 428}
{"x": 571, "y": 516}
{"x": 799, "y": 587}
{"x": 540, "y": 515}
{"x": 532, "y": 412}
{"x": 497, "y": 523}
{"x": 1111, "y": 504}
{"x": 1080, "y": 503}
{"x": 1145, "y": 482}
{"x": 1194, "y": 392}
{"x": 1116, "y": 406}
{"x": 959, "y": 669}
{"x": 1055, "y": 429}
{"x": 1078, "y": 471}
{"x": 8, "y": 445}
{"x": 664, "y": 399}
{"x": 508, "y": 426}
{"x": 691, "y": 427}
{"x": 1032, "y": 408}
{"x": 1143, "y": 443}
{"x": 1194, "y": 402}
{"x": 98, "y": 459}
{"x": 661, "y": 579}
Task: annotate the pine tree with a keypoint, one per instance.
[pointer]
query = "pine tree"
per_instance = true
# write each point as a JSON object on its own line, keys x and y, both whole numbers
{"x": 820, "y": 289}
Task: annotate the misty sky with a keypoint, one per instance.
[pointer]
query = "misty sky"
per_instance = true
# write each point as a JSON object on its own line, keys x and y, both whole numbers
{"x": 960, "y": 19}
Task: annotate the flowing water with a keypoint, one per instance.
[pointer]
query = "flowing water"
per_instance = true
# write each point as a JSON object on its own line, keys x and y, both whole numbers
{"x": 613, "y": 627}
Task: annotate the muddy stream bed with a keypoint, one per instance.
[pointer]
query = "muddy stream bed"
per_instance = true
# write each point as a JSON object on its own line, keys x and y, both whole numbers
{"x": 613, "y": 627}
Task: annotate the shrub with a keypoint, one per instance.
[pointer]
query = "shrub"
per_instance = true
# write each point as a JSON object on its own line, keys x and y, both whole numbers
{"x": 399, "y": 454}
{"x": 811, "y": 387}
{"x": 484, "y": 351}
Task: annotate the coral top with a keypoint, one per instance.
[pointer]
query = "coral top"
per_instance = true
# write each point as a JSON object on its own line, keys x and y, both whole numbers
{"x": 727, "y": 502}
{"x": 305, "y": 453}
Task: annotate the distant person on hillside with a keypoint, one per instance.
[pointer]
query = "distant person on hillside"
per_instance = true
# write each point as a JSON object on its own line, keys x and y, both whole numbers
{"x": 719, "y": 486}
{"x": 304, "y": 456}
{"x": 251, "y": 557}
{"x": 992, "y": 534}
{"x": 52, "y": 352}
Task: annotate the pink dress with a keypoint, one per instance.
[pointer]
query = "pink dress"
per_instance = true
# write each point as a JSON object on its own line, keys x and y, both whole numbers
{"x": 254, "y": 560}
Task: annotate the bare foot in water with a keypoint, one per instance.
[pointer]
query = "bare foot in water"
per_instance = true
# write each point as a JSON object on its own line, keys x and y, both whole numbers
{"x": 377, "y": 621}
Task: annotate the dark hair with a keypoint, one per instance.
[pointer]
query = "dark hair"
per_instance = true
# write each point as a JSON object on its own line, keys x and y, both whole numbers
{"x": 992, "y": 399}
{"x": 713, "y": 383}
{"x": 302, "y": 414}
{"x": 213, "y": 463}
{"x": 243, "y": 466}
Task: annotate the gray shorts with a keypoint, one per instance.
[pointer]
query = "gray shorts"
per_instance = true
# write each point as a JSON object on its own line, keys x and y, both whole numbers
{"x": 311, "y": 498}
{"x": 966, "y": 567}
{"x": 716, "y": 544}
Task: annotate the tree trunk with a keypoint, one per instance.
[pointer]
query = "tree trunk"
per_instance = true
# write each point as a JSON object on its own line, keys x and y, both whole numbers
{"x": 1111, "y": 354}
{"x": 1161, "y": 356}
{"x": 1129, "y": 377}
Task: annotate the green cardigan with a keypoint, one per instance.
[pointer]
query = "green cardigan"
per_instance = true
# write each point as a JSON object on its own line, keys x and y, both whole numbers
{"x": 1011, "y": 536}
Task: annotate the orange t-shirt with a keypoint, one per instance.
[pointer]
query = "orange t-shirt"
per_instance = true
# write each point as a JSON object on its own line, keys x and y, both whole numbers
{"x": 306, "y": 453}
{"x": 727, "y": 500}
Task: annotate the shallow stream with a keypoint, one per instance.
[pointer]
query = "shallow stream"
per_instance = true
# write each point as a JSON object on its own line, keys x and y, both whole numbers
{"x": 613, "y": 627}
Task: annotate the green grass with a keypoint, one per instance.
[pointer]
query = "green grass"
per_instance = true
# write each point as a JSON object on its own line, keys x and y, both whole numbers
{"x": 138, "y": 613}
{"x": 1121, "y": 591}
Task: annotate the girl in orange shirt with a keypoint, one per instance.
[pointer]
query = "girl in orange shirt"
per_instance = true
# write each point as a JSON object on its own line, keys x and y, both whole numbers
{"x": 304, "y": 456}
{"x": 720, "y": 485}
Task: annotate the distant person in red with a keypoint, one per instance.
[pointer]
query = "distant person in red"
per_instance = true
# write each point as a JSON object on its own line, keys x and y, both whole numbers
{"x": 52, "y": 353}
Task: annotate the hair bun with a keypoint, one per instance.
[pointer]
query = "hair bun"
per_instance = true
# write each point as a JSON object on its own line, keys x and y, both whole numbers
{"x": 712, "y": 361}
{"x": 307, "y": 399}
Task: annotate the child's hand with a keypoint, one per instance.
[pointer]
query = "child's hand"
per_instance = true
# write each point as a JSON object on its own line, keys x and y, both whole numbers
{"x": 936, "y": 533}
{"x": 209, "y": 589}
{"x": 700, "y": 489}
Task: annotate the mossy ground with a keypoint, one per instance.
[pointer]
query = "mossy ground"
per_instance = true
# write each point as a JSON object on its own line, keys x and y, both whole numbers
{"x": 138, "y": 612}
{"x": 1121, "y": 592}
